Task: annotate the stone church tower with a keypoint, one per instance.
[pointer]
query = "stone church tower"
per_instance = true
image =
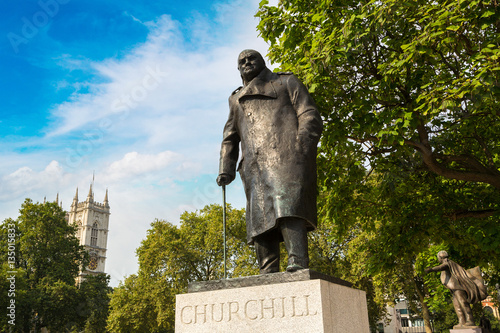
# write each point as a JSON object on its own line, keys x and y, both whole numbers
{"x": 92, "y": 220}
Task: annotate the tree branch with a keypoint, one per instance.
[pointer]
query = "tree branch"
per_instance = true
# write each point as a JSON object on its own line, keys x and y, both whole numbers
{"x": 486, "y": 175}
{"x": 469, "y": 213}
{"x": 480, "y": 173}
{"x": 469, "y": 162}
{"x": 487, "y": 152}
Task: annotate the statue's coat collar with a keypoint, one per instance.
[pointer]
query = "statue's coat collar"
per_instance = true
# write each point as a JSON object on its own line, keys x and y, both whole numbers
{"x": 262, "y": 85}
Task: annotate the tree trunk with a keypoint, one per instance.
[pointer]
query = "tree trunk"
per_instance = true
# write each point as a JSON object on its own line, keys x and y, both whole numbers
{"x": 426, "y": 316}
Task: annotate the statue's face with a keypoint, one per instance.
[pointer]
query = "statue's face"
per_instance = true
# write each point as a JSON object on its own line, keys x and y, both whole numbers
{"x": 250, "y": 64}
{"x": 442, "y": 255}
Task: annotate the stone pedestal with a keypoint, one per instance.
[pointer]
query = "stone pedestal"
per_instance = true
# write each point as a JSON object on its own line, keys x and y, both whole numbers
{"x": 280, "y": 302}
{"x": 475, "y": 329}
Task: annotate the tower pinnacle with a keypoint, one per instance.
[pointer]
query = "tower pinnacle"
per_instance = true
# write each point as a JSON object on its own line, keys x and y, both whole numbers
{"x": 90, "y": 197}
{"x": 75, "y": 199}
{"x": 105, "y": 202}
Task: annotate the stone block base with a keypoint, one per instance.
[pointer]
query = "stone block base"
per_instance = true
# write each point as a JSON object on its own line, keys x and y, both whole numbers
{"x": 466, "y": 329}
{"x": 299, "y": 306}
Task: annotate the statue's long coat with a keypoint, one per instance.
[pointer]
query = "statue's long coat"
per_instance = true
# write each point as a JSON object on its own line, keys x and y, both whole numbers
{"x": 455, "y": 277}
{"x": 279, "y": 127}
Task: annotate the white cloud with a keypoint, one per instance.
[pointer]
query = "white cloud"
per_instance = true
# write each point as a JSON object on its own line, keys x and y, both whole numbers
{"x": 165, "y": 76}
{"x": 25, "y": 180}
{"x": 134, "y": 164}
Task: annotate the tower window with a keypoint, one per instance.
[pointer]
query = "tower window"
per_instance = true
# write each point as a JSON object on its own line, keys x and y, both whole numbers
{"x": 93, "y": 235}
{"x": 79, "y": 229}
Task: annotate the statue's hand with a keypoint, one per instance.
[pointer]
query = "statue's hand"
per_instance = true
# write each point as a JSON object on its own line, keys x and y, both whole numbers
{"x": 224, "y": 179}
{"x": 427, "y": 270}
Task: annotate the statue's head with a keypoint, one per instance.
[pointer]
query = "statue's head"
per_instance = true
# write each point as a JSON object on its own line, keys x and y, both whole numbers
{"x": 250, "y": 64}
{"x": 442, "y": 255}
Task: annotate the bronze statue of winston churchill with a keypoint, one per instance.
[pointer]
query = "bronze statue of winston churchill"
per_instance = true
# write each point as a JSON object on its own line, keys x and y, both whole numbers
{"x": 278, "y": 125}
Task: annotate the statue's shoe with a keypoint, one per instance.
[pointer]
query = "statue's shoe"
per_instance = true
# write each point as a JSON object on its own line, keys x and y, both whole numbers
{"x": 293, "y": 268}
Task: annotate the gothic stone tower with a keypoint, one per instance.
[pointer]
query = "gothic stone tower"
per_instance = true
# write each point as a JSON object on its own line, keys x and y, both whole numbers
{"x": 92, "y": 220}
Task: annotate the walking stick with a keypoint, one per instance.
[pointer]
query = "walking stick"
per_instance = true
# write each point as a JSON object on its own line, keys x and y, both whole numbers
{"x": 224, "y": 226}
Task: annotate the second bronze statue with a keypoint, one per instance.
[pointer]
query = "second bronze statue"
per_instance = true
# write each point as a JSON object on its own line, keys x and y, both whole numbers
{"x": 278, "y": 125}
{"x": 466, "y": 286}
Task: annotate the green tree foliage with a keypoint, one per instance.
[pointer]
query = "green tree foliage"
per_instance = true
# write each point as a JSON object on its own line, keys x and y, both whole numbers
{"x": 169, "y": 258}
{"x": 55, "y": 305}
{"x": 494, "y": 322}
{"x": 132, "y": 308}
{"x": 18, "y": 293}
{"x": 94, "y": 294}
{"x": 409, "y": 83}
{"x": 410, "y": 153}
{"x": 44, "y": 255}
{"x": 49, "y": 248}
{"x": 399, "y": 77}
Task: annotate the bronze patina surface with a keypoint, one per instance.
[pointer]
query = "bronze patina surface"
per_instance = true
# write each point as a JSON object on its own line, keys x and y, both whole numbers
{"x": 278, "y": 125}
{"x": 467, "y": 287}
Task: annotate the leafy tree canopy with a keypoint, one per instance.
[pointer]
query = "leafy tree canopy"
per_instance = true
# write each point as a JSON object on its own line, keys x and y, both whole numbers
{"x": 410, "y": 154}
{"x": 93, "y": 309}
{"x": 44, "y": 255}
{"x": 399, "y": 80}
{"x": 48, "y": 246}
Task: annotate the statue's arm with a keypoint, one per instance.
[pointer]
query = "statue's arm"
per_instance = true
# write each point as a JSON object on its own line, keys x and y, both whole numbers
{"x": 310, "y": 124}
{"x": 229, "y": 151}
{"x": 439, "y": 268}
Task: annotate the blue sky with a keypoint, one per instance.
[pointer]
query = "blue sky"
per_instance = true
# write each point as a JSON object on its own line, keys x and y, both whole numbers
{"x": 135, "y": 91}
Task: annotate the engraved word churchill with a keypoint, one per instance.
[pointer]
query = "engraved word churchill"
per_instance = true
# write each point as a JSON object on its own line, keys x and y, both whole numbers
{"x": 248, "y": 310}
